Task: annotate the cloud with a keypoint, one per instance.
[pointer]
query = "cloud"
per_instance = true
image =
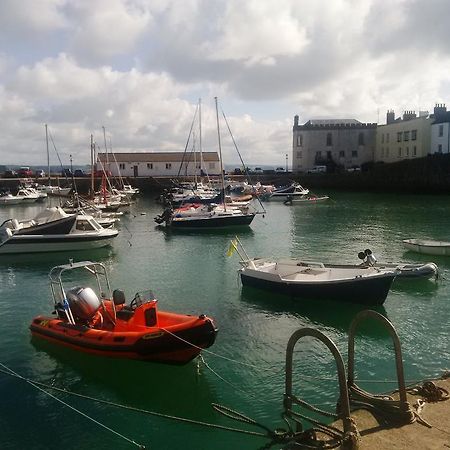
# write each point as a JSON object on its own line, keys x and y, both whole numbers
{"x": 138, "y": 66}
{"x": 105, "y": 28}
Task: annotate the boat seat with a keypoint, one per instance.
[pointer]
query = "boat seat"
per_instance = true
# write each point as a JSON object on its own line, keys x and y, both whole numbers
{"x": 118, "y": 297}
{"x": 126, "y": 313}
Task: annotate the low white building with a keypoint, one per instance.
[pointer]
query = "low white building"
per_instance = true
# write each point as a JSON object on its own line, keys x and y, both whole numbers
{"x": 159, "y": 164}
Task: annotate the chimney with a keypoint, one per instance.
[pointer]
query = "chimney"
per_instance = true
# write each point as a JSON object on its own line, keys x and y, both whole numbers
{"x": 408, "y": 115}
{"x": 390, "y": 116}
{"x": 295, "y": 121}
{"x": 439, "y": 110}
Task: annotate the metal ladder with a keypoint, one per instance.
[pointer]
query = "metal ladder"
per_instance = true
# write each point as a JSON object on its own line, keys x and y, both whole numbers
{"x": 384, "y": 408}
{"x": 349, "y": 438}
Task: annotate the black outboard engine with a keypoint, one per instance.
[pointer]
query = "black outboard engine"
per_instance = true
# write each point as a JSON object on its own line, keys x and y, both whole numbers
{"x": 165, "y": 216}
{"x": 83, "y": 302}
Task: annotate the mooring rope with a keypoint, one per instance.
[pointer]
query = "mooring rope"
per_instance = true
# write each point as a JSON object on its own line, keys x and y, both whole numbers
{"x": 130, "y": 408}
{"x": 39, "y": 386}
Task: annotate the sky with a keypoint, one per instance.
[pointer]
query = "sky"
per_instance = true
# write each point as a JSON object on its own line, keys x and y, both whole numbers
{"x": 139, "y": 67}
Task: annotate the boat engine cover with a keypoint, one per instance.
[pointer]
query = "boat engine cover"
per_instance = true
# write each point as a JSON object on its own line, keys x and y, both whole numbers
{"x": 83, "y": 302}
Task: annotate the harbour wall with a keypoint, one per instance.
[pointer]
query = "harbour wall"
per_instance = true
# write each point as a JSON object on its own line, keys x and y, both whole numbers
{"x": 429, "y": 175}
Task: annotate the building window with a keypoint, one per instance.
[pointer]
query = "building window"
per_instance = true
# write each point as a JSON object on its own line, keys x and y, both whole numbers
{"x": 387, "y": 152}
{"x": 407, "y": 151}
{"x": 441, "y": 130}
{"x": 440, "y": 148}
{"x": 382, "y": 138}
{"x": 354, "y": 153}
{"x": 318, "y": 155}
{"x": 299, "y": 155}
{"x": 122, "y": 166}
{"x": 361, "y": 139}
{"x": 150, "y": 166}
{"x": 413, "y": 135}
{"x": 387, "y": 138}
{"x": 168, "y": 166}
{"x": 329, "y": 139}
{"x": 406, "y": 136}
{"x": 399, "y": 152}
{"x": 342, "y": 154}
{"x": 414, "y": 151}
{"x": 399, "y": 136}
{"x": 300, "y": 140}
{"x": 382, "y": 152}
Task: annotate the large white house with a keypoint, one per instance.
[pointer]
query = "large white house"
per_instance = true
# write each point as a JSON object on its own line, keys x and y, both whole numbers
{"x": 440, "y": 130}
{"x": 159, "y": 164}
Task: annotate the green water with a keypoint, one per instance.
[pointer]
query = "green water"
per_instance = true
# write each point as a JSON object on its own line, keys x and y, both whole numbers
{"x": 190, "y": 273}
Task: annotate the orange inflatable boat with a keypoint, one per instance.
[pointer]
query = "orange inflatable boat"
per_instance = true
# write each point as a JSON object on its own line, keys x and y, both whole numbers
{"x": 108, "y": 326}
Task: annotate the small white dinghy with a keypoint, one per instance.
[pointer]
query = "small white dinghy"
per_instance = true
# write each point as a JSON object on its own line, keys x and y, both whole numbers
{"x": 428, "y": 246}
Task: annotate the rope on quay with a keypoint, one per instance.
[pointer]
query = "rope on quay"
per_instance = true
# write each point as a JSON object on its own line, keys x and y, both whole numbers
{"x": 40, "y": 386}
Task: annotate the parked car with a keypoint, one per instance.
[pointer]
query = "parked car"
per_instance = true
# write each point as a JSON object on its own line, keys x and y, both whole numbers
{"x": 39, "y": 173}
{"x": 66, "y": 173}
{"x": 25, "y": 172}
{"x": 318, "y": 169}
{"x": 10, "y": 174}
{"x": 258, "y": 170}
{"x": 279, "y": 170}
{"x": 79, "y": 173}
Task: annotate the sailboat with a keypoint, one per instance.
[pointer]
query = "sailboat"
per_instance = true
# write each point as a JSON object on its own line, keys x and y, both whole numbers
{"x": 201, "y": 216}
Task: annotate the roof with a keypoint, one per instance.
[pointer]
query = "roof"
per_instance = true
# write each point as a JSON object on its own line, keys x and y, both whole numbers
{"x": 332, "y": 122}
{"x": 442, "y": 118}
{"x": 157, "y": 156}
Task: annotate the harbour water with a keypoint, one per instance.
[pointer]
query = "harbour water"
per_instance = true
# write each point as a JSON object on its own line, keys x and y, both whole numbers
{"x": 244, "y": 370}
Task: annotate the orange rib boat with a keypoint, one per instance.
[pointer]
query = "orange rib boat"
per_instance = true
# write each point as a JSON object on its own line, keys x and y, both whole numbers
{"x": 110, "y": 327}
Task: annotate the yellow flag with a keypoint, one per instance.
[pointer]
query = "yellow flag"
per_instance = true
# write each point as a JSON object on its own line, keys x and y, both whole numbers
{"x": 232, "y": 248}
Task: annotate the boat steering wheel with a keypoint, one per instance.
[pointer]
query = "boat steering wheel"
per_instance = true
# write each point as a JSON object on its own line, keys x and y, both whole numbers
{"x": 136, "y": 302}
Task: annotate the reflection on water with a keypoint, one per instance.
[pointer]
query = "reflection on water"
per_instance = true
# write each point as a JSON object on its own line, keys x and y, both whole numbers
{"x": 141, "y": 384}
{"x": 320, "y": 313}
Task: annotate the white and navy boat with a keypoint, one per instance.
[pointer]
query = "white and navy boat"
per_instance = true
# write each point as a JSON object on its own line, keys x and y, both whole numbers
{"x": 317, "y": 281}
{"x": 200, "y": 216}
{"x": 307, "y": 280}
{"x": 53, "y": 230}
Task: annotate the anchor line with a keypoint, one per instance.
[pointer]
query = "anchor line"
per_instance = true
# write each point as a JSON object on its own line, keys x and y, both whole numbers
{"x": 126, "y": 407}
{"x": 39, "y": 387}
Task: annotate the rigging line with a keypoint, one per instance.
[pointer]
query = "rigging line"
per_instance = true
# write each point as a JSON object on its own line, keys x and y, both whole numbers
{"x": 57, "y": 154}
{"x": 130, "y": 408}
{"x": 187, "y": 142}
{"x": 35, "y": 385}
{"x": 242, "y": 161}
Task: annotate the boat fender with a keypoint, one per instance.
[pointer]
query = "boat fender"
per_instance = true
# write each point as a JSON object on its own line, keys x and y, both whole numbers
{"x": 361, "y": 255}
{"x": 201, "y": 316}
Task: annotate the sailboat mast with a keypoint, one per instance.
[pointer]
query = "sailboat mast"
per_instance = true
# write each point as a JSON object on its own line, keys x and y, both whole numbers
{"x": 48, "y": 154}
{"x": 92, "y": 165}
{"x": 200, "y": 133}
{"x": 220, "y": 156}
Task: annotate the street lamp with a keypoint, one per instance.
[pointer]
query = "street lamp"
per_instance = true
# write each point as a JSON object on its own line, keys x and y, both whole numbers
{"x": 286, "y": 162}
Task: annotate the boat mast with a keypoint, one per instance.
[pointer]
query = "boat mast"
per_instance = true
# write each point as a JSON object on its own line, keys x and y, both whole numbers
{"x": 48, "y": 155}
{"x": 92, "y": 165}
{"x": 220, "y": 156}
{"x": 200, "y": 133}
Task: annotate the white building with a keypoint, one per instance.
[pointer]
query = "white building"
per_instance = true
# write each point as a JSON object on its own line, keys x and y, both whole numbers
{"x": 440, "y": 130}
{"x": 159, "y": 164}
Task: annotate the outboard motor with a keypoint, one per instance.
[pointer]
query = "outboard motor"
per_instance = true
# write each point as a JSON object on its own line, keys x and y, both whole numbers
{"x": 83, "y": 302}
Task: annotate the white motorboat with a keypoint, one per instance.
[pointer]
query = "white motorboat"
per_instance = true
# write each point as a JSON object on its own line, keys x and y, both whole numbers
{"x": 55, "y": 191}
{"x": 27, "y": 196}
{"x": 293, "y": 191}
{"x": 53, "y": 230}
{"x": 9, "y": 199}
{"x": 306, "y": 200}
{"x": 428, "y": 246}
